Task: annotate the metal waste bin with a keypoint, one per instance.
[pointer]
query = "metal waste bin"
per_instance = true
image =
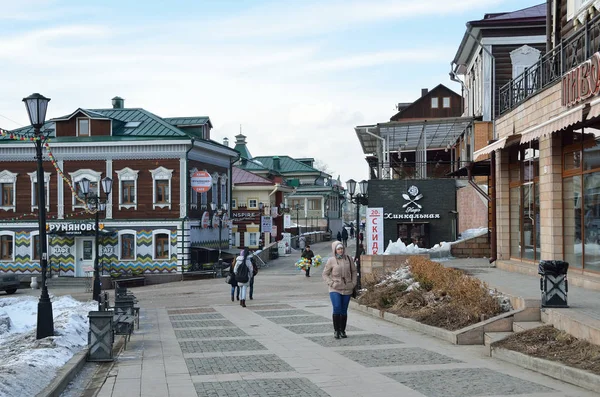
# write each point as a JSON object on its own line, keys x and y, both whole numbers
{"x": 553, "y": 283}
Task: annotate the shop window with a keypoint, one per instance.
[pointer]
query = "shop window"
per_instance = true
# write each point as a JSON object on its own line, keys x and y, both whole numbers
{"x": 591, "y": 155}
{"x": 591, "y": 221}
{"x": 515, "y": 224}
{"x": 162, "y": 246}
{"x": 127, "y": 245}
{"x": 35, "y": 247}
{"x": 8, "y": 186}
{"x": 7, "y": 246}
{"x": 572, "y": 160}
{"x": 127, "y": 188}
{"x": 161, "y": 187}
{"x": 314, "y": 204}
{"x": 572, "y": 214}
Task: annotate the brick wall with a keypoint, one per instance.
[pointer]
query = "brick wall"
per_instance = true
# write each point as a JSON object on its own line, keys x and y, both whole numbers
{"x": 477, "y": 247}
{"x": 472, "y": 209}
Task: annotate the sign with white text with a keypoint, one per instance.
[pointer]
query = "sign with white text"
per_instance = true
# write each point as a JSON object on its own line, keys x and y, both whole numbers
{"x": 201, "y": 181}
{"x": 287, "y": 221}
{"x": 374, "y": 228}
{"x": 71, "y": 227}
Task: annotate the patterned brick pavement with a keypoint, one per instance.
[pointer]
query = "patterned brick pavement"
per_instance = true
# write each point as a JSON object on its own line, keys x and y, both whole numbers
{"x": 237, "y": 364}
{"x": 209, "y": 346}
{"x": 391, "y": 357}
{"x": 354, "y": 340}
{"x": 300, "y": 319}
{"x": 290, "y": 387}
{"x": 208, "y": 333}
{"x": 316, "y": 329}
{"x": 194, "y": 317}
{"x": 202, "y": 324}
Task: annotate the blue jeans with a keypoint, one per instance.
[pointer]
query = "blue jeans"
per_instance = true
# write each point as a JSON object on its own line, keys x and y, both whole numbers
{"x": 243, "y": 288}
{"x": 233, "y": 291}
{"x": 340, "y": 303}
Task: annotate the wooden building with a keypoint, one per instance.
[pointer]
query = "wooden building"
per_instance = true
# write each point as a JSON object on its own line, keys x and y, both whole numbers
{"x": 153, "y": 216}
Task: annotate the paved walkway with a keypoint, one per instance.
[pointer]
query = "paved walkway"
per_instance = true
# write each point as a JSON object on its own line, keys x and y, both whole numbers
{"x": 194, "y": 341}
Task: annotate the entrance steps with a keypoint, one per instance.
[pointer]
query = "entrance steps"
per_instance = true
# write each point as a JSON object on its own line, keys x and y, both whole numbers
{"x": 69, "y": 282}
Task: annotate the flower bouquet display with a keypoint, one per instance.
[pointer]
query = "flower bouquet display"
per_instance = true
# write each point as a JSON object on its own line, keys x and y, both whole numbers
{"x": 303, "y": 264}
{"x": 317, "y": 261}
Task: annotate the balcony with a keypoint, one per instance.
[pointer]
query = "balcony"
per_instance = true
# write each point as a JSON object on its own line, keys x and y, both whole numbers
{"x": 421, "y": 170}
{"x": 568, "y": 54}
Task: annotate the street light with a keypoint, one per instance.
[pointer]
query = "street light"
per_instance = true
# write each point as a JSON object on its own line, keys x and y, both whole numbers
{"x": 358, "y": 199}
{"x": 36, "y": 106}
{"x": 98, "y": 204}
{"x": 261, "y": 207}
{"x": 220, "y": 213}
{"x": 298, "y": 207}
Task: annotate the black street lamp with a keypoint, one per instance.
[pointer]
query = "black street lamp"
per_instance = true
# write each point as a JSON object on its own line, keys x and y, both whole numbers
{"x": 298, "y": 207}
{"x": 37, "y": 105}
{"x": 261, "y": 207}
{"x": 221, "y": 212}
{"x": 358, "y": 199}
{"x": 97, "y": 204}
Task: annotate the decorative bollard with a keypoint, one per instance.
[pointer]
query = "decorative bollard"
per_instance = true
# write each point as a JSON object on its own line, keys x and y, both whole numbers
{"x": 100, "y": 336}
{"x": 34, "y": 283}
{"x": 553, "y": 283}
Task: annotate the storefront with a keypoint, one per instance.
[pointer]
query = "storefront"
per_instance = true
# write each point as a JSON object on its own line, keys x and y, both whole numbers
{"x": 420, "y": 212}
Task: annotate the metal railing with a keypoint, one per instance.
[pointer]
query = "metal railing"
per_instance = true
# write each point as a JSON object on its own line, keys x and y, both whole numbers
{"x": 424, "y": 170}
{"x": 569, "y": 53}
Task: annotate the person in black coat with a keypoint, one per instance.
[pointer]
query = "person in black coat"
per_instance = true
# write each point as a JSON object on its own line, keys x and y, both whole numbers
{"x": 309, "y": 255}
{"x": 339, "y": 236}
{"x": 233, "y": 282}
{"x": 345, "y": 237}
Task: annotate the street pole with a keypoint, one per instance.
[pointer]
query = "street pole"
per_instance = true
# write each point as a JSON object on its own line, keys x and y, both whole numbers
{"x": 220, "y": 257}
{"x": 45, "y": 319}
{"x": 96, "y": 288}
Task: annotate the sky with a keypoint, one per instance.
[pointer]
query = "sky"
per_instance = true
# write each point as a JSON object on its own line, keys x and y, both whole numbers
{"x": 296, "y": 76}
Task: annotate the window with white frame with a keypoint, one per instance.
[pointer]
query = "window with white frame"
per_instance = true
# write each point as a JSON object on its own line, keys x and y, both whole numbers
{"x": 161, "y": 244}
{"x": 83, "y": 127}
{"x": 90, "y": 175}
{"x": 314, "y": 204}
{"x": 7, "y": 246}
{"x": 127, "y": 188}
{"x": 253, "y": 203}
{"x": 434, "y": 103}
{"x": 524, "y": 57}
{"x": 446, "y": 102}
{"x": 575, "y": 9}
{"x": 8, "y": 188}
{"x": 234, "y": 203}
{"x": 127, "y": 245}
{"x": 251, "y": 239}
{"x": 214, "y": 192}
{"x": 161, "y": 187}
{"x": 35, "y": 192}
{"x": 237, "y": 238}
{"x": 223, "y": 181}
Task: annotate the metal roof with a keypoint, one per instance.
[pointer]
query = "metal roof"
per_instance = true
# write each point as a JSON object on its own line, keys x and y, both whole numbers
{"x": 151, "y": 124}
{"x": 286, "y": 164}
{"x": 188, "y": 121}
{"x": 413, "y": 134}
{"x": 241, "y": 177}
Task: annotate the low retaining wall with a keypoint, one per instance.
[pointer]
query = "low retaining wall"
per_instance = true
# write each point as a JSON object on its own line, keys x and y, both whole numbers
{"x": 373, "y": 263}
{"x": 476, "y": 247}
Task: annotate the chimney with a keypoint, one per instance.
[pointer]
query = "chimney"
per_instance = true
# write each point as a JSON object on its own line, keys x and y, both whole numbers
{"x": 118, "y": 102}
{"x": 226, "y": 141}
{"x": 424, "y": 91}
{"x": 275, "y": 162}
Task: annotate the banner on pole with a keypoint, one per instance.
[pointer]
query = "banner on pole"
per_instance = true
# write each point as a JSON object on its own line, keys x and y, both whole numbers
{"x": 374, "y": 231}
{"x": 266, "y": 224}
{"x": 287, "y": 221}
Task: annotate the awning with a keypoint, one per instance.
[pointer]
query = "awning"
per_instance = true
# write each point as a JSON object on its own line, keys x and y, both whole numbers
{"x": 478, "y": 168}
{"x": 556, "y": 123}
{"x": 594, "y": 109}
{"x": 499, "y": 144}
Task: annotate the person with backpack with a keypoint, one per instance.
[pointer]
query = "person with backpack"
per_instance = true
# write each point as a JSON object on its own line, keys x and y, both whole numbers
{"x": 309, "y": 255}
{"x": 345, "y": 237}
{"x": 340, "y": 275}
{"x": 243, "y": 273}
{"x": 233, "y": 282}
{"x": 254, "y": 273}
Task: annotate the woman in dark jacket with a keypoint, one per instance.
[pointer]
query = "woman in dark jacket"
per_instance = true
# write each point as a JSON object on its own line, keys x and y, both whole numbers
{"x": 233, "y": 282}
{"x": 309, "y": 255}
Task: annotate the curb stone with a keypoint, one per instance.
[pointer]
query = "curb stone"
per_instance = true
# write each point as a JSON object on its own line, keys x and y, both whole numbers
{"x": 65, "y": 375}
{"x": 574, "y": 376}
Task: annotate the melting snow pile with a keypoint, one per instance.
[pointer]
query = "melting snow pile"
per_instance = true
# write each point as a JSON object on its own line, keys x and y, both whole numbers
{"x": 28, "y": 365}
{"x": 441, "y": 250}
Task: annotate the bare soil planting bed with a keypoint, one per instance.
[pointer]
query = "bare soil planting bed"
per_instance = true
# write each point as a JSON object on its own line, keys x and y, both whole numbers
{"x": 551, "y": 344}
{"x": 431, "y": 294}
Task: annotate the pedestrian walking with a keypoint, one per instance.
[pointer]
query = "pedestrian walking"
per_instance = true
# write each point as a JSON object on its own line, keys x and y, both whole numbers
{"x": 345, "y": 237}
{"x": 309, "y": 255}
{"x": 302, "y": 242}
{"x": 360, "y": 237}
{"x": 243, "y": 273}
{"x": 233, "y": 282}
{"x": 340, "y": 276}
{"x": 254, "y": 273}
{"x": 352, "y": 231}
{"x": 339, "y": 236}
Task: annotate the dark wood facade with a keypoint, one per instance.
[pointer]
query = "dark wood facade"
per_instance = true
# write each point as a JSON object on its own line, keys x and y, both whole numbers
{"x": 422, "y": 107}
{"x": 68, "y": 128}
{"x": 23, "y": 190}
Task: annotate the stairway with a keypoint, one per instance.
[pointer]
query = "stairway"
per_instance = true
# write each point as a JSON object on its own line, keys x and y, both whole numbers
{"x": 69, "y": 282}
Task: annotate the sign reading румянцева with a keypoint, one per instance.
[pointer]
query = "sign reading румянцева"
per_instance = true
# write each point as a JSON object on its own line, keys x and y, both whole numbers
{"x": 581, "y": 82}
{"x": 71, "y": 227}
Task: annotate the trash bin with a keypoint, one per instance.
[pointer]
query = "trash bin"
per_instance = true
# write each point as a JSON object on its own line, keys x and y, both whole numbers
{"x": 553, "y": 283}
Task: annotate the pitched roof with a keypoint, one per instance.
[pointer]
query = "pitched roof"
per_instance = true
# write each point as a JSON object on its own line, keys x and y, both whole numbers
{"x": 286, "y": 165}
{"x": 188, "y": 121}
{"x": 422, "y": 98}
{"x": 242, "y": 177}
{"x": 537, "y": 11}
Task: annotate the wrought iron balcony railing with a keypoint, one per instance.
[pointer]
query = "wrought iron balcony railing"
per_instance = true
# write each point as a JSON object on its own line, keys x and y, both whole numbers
{"x": 569, "y": 53}
{"x": 422, "y": 170}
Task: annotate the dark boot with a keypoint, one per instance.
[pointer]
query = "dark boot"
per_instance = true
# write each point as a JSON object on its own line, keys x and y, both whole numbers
{"x": 232, "y": 297}
{"x": 336, "y": 326}
{"x": 243, "y": 302}
{"x": 343, "y": 321}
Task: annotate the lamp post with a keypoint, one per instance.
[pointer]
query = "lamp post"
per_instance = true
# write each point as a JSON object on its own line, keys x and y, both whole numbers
{"x": 261, "y": 207}
{"x": 98, "y": 204}
{"x": 327, "y": 216}
{"x": 298, "y": 218}
{"x": 358, "y": 198}
{"x": 220, "y": 213}
{"x": 36, "y": 106}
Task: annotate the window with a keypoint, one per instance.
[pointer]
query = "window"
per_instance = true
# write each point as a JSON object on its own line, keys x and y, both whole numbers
{"x": 193, "y": 198}
{"x": 7, "y": 246}
{"x": 234, "y": 203}
{"x": 251, "y": 239}
{"x": 253, "y": 204}
{"x": 161, "y": 187}
{"x": 35, "y": 246}
{"x": 35, "y": 192}
{"x": 8, "y": 185}
{"x": 161, "y": 244}
{"x": 93, "y": 177}
{"x": 127, "y": 188}
{"x": 314, "y": 204}
{"x": 83, "y": 127}
{"x": 446, "y": 102}
{"x": 203, "y": 200}
{"x": 574, "y": 8}
{"x": 434, "y": 103}
{"x": 127, "y": 245}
